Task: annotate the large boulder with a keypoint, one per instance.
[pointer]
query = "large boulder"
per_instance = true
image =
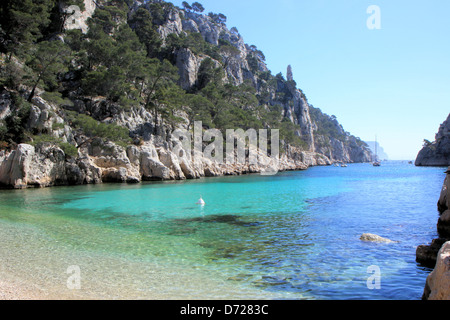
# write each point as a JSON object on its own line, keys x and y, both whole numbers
{"x": 14, "y": 166}
{"x": 151, "y": 167}
{"x": 114, "y": 162}
{"x": 438, "y": 282}
{"x": 27, "y": 166}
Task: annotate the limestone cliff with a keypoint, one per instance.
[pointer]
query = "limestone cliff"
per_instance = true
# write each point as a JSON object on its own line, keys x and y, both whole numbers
{"x": 437, "y": 254}
{"x": 153, "y": 154}
{"x": 247, "y": 63}
{"x": 437, "y": 153}
{"x": 153, "y": 158}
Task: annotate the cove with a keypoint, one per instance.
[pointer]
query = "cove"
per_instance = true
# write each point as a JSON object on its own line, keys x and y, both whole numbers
{"x": 295, "y": 235}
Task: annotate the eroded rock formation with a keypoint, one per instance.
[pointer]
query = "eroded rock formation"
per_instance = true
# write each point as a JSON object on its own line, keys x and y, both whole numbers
{"x": 437, "y": 153}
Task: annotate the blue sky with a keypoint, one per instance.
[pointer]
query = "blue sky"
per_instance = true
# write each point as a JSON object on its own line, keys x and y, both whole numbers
{"x": 392, "y": 82}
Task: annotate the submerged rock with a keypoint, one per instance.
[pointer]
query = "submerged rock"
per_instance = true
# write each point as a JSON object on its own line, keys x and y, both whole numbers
{"x": 226, "y": 219}
{"x": 368, "y": 237}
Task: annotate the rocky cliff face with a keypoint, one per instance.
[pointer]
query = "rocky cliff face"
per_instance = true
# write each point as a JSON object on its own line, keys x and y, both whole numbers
{"x": 437, "y": 153}
{"x": 156, "y": 158}
{"x": 437, "y": 254}
{"x": 238, "y": 70}
{"x": 47, "y": 166}
{"x": 154, "y": 155}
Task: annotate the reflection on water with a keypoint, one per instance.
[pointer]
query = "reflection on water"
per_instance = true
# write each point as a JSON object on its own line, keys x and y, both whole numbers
{"x": 292, "y": 236}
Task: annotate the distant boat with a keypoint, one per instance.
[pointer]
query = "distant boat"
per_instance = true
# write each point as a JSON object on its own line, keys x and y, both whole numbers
{"x": 344, "y": 165}
{"x": 376, "y": 163}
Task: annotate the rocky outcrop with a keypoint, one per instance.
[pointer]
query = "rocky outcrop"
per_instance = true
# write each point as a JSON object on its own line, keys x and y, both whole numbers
{"x": 153, "y": 158}
{"x": 427, "y": 254}
{"x": 237, "y": 70}
{"x": 348, "y": 149}
{"x": 438, "y": 282}
{"x": 443, "y": 226}
{"x": 77, "y": 19}
{"x": 46, "y": 165}
{"x": 444, "y": 198}
{"x": 437, "y": 153}
{"x": 437, "y": 255}
{"x": 27, "y": 166}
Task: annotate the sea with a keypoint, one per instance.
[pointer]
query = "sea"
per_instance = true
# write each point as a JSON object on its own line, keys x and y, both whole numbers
{"x": 292, "y": 236}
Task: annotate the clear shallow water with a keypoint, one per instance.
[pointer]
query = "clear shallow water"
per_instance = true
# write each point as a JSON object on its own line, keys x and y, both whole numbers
{"x": 291, "y": 236}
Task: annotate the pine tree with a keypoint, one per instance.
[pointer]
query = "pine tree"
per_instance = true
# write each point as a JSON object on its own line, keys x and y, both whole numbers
{"x": 49, "y": 59}
{"x": 187, "y": 6}
{"x": 198, "y": 7}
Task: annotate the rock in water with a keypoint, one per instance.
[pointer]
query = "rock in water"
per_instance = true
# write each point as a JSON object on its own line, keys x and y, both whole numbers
{"x": 374, "y": 238}
{"x": 437, "y": 153}
{"x": 426, "y": 255}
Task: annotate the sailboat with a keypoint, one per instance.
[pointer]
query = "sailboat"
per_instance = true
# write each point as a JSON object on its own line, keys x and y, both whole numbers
{"x": 376, "y": 163}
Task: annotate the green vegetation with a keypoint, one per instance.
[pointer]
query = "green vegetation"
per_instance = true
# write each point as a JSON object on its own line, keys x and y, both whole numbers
{"x": 327, "y": 125}
{"x": 39, "y": 140}
{"x": 92, "y": 128}
{"x": 56, "y": 98}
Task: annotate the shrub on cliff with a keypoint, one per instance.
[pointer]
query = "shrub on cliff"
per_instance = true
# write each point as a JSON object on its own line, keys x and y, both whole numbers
{"x": 91, "y": 128}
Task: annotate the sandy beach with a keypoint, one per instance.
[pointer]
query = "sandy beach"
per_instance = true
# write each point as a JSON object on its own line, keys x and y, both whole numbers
{"x": 15, "y": 290}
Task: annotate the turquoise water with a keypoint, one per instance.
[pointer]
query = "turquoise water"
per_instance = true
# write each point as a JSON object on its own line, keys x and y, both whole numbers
{"x": 290, "y": 236}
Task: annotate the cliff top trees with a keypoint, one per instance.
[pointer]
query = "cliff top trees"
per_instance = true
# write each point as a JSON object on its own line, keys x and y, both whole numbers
{"x": 198, "y": 7}
{"x": 218, "y": 18}
{"x": 187, "y": 6}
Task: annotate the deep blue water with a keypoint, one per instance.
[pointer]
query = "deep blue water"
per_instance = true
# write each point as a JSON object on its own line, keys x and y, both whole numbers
{"x": 290, "y": 236}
